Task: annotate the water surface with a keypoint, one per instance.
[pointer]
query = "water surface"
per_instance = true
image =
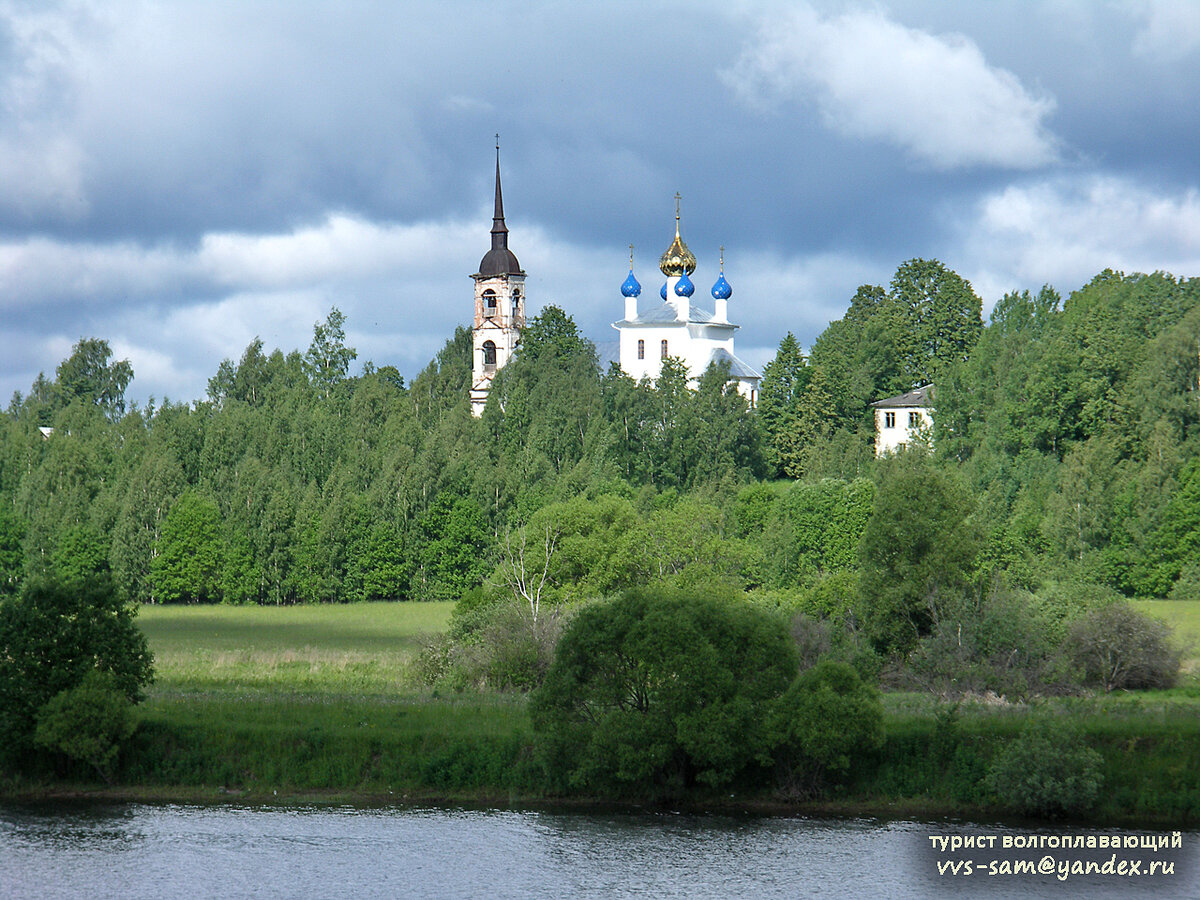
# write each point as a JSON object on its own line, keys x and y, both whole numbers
{"x": 153, "y": 851}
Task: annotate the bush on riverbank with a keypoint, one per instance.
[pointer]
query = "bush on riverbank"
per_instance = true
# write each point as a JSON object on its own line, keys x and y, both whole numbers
{"x": 661, "y": 690}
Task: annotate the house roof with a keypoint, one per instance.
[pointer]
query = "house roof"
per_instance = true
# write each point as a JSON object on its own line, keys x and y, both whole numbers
{"x": 737, "y": 368}
{"x": 608, "y": 352}
{"x": 922, "y": 397}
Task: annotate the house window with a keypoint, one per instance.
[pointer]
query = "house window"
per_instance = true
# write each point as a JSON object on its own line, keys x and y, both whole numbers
{"x": 914, "y": 420}
{"x": 889, "y": 420}
{"x": 664, "y": 349}
{"x": 641, "y": 349}
{"x": 489, "y": 354}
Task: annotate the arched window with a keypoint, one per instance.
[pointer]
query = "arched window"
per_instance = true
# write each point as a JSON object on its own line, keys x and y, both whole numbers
{"x": 516, "y": 302}
{"x": 489, "y": 354}
{"x": 489, "y": 302}
{"x": 664, "y": 349}
{"x": 641, "y": 349}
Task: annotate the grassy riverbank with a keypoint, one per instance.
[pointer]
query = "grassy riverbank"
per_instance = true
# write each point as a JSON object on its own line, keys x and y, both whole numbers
{"x": 322, "y": 701}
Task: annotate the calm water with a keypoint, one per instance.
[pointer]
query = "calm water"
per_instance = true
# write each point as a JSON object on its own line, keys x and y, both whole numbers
{"x": 132, "y": 851}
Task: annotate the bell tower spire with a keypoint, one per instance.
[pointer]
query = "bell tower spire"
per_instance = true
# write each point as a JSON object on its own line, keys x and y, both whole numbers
{"x": 499, "y": 229}
{"x": 499, "y": 304}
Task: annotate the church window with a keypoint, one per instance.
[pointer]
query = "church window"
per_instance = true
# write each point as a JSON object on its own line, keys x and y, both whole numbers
{"x": 914, "y": 420}
{"x": 664, "y": 349}
{"x": 489, "y": 354}
{"x": 641, "y": 349}
{"x": 516, "y": 301}
{"x": 489, "y": 302}
{"x": 889, "y": 420}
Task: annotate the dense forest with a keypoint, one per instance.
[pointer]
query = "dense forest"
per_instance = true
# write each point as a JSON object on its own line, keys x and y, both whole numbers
{"x": 1063, "y": 467}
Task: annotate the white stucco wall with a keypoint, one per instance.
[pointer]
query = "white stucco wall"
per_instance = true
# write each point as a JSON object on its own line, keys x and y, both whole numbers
{"x": 889, "y": 438}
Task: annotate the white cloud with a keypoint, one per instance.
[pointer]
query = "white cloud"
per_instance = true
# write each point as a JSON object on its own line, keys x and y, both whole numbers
{"x": 1170, "y": 28}
{"x": 177, "y": 312}
{"x": 1064, "y": 232}
{"x": 341, "y": 247}
{"x": 934, "y": 95}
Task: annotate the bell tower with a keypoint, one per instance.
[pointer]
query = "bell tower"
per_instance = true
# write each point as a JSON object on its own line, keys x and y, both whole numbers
{"x": 499, "y": 305}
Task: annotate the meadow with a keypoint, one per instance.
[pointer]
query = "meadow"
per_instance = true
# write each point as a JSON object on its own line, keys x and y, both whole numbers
{"x": 323, "y": 701}
{"x": 321, "y": 698}
{"x": 361, "y": 648}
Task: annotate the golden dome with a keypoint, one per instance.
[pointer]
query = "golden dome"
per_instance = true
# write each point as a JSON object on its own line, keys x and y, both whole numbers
{"x": 677, "y": 259}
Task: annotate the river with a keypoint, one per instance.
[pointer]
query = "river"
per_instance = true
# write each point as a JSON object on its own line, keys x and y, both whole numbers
{"x": 151, "y": 851}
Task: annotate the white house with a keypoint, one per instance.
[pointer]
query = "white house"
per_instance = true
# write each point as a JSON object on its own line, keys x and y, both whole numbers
{"x": 898, "y": 419}
{"x": 676, "y": 328}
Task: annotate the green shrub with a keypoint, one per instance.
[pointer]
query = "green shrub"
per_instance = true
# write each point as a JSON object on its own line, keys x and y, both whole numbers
{"x": 1117, "y": 646}
{"x": 88, "y": 723}
{"x": 493, "y": 642}
{"x": 1047, "y": 771}
{"x": 661, "y": 689}
{"x": 826, "y": 720}
{"x": 995, "y": 641}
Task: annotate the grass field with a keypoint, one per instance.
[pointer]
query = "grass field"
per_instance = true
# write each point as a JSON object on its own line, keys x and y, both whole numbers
{"x": 318, "y": 698}
{"x": 273, "y": 702}
{"x": 1184, "y": 617}
{"x": 361, "y": 648}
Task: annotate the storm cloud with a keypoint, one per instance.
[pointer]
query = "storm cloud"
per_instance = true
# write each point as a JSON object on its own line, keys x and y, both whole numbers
{"x": 180, "y": 178}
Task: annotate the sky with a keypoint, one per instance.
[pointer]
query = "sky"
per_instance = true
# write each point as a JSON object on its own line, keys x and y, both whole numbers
{"x": 179, "y": 178}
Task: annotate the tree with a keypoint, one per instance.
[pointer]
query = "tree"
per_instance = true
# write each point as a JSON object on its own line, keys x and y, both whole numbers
{"x": 452, "y": 551}
{"x": 814, "y": 418}
{"x": 814, "y": 529}
{"x": 51, "y": 636}
{"x": 525, "y": 565}
{"x": 1176, "y": 541}
{"x": 328, "y": 359}
{"x": 88, "y": 376}
{"x": 783, "y": 382}
{"x": 542, "y": 402}
{"x": 592, "y": 545}
{"x": 661, "y": 689}
{"x": 378, "y": 568}
{"x": 944, "y": 317}
{"x": 917, "y": 547}
{"x": 12, "y": 554}
{"x": 187, "y": 565}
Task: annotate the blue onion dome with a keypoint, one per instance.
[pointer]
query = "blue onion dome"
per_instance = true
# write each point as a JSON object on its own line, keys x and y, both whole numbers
{"x": 631, "y": 288}
{"x": 721, "y": 290}
{"x": 663, "y": 292}
{"x": 684, "y": 287}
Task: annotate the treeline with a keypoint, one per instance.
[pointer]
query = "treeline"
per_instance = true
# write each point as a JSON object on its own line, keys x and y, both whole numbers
{"x": 295, "y": 482}
{"x": 1064, "y": 460}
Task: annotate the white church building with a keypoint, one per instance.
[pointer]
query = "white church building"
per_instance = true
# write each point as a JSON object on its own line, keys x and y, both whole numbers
{"x": 673, "y": 328}
{"x": 677, "y": 328}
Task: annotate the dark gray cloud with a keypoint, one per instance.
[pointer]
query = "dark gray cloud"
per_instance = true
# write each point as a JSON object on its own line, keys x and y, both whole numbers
{"x": 181, "y": 178}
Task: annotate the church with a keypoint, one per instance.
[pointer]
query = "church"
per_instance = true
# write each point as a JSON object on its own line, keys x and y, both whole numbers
{"x": 673, "y": 328}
